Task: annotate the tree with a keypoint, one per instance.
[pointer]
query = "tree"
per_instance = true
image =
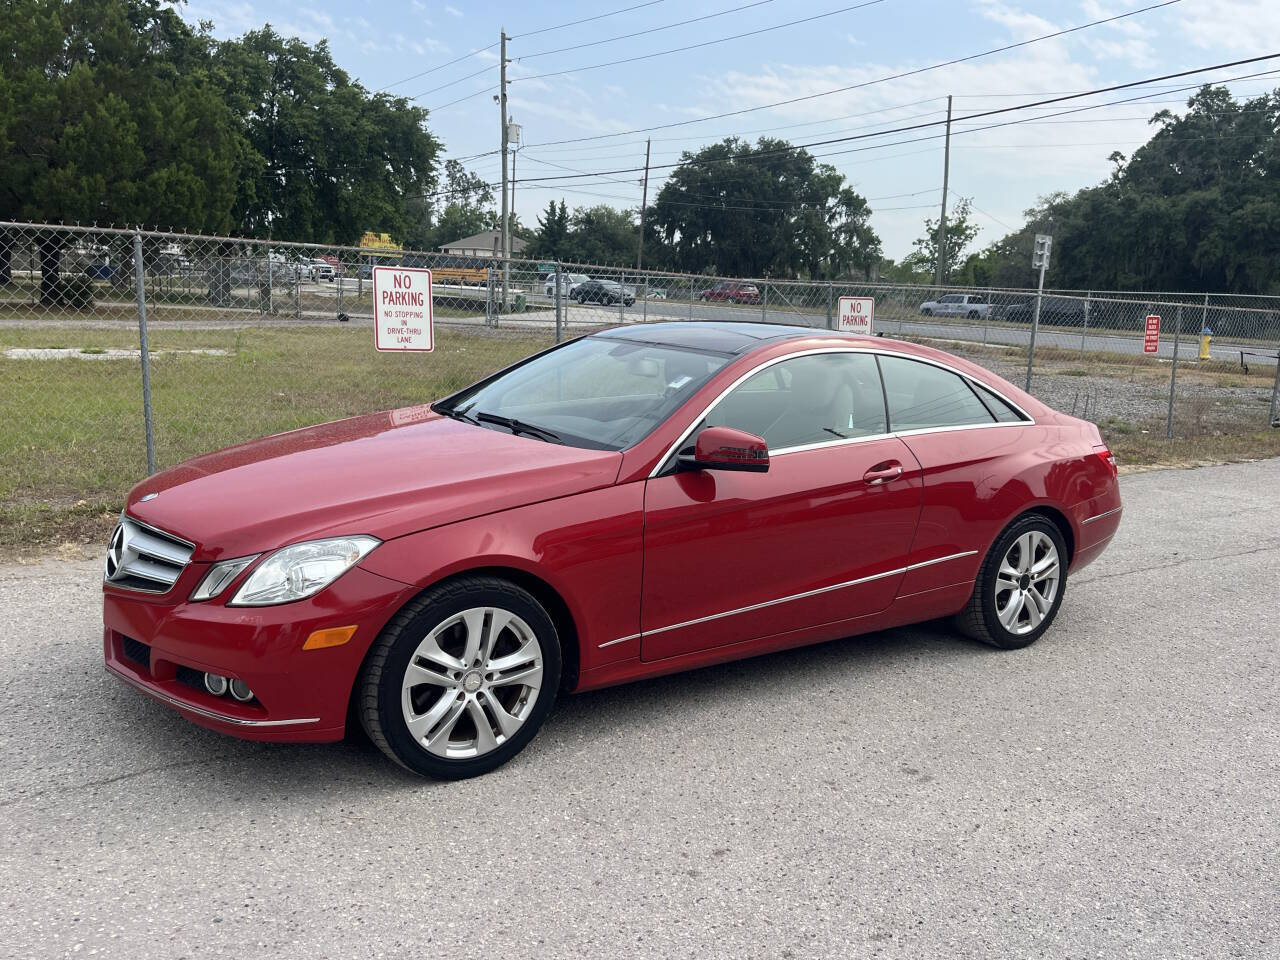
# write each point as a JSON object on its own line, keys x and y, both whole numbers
{"x": 108, "y": 114}
{"x": 552, "y": 237}
{"x": 335, "y": 160}
{"x": 960, "y": 232}
{"x": 462, "y": 207}
{"x": 1197, "y": 207}
{"x": 601, "y": 235}
{"x": 767, "y": 209}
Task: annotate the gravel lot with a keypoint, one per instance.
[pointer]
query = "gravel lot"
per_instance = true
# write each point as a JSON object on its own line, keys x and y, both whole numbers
{"x": 1112, "y": 791}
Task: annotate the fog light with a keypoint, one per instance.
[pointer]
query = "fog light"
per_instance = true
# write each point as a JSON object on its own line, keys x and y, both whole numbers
{"x": 215, "y": 684}
{"x": 240, "y": 690}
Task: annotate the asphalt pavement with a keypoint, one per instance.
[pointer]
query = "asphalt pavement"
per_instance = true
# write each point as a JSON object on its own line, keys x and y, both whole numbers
{"x": 1113, "y": 791}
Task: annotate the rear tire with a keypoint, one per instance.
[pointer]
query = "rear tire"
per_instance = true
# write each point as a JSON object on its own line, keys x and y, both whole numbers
{"x": 461, "y": 679}
{"x": 1020, "y": 586}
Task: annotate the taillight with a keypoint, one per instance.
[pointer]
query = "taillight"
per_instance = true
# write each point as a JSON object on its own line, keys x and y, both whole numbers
{"x": 1107, "y": 457}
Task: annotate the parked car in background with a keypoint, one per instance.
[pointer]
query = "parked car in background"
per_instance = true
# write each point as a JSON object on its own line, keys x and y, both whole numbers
{"x": 321, "y": 270}
{"x": 1054, "y": 311}
{"x": 604, "y": 291}
{"x": 647, "y": 499}
{"x": 973, "y": 306}
{"x": 569, "y": 283}
{"x": 732, "y": 291}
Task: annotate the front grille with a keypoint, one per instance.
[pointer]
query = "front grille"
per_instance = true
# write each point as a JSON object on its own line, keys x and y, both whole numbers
{"x": 192, "y": 678}
{"x": 144, "y": 558}
{"x": 137, "y": 651}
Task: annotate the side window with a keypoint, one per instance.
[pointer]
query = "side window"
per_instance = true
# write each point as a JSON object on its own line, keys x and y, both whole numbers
{"x": 805, "y": 400}
{"x": 921, "y": 396}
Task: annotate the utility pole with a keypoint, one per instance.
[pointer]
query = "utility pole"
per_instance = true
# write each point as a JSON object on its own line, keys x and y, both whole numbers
{"x": 644, "y": 202}
{"x": 505, "y": 225}
{"x": 1040, "y": 261}
{"x": 942, "y": 221}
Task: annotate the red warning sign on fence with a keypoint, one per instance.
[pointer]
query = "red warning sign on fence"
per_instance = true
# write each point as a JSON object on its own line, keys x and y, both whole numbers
{"x": 1151, "y": 343}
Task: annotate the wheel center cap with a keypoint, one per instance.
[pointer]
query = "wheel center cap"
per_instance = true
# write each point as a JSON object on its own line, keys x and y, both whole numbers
{"x": 472, "y": 681}
{"x": 1024, "y": 581}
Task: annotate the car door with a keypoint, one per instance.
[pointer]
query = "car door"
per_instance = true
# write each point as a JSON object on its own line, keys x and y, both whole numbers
{"x": 731, "y": 557}
{"x": 959, "y": 432}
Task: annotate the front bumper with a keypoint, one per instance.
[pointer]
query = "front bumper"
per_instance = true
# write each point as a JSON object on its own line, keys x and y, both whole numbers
{"x": 164, "y": 648}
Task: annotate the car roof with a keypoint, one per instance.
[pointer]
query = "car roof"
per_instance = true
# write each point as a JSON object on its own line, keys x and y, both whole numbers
{"x": 720, "y": 336}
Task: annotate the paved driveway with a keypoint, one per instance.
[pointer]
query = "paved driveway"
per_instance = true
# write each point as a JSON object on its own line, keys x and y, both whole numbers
{"x": 1110, "y": 792}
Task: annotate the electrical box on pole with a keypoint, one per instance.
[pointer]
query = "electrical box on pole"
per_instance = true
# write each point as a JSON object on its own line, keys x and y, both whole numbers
{"x": 1040, "y": 256}
{"x": 1039, "y": 260}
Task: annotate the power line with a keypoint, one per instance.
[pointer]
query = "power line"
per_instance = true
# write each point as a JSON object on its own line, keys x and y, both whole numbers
{"x": 866, "y": 83}
{"x": 579, "y": 22}
{"x": 531, "y": 33}
{"x": 973, "y": 116}
{"x": 709, "y": 43}
{"x": 641, "y": 33}
{"x": 434, "y": 69}
{"x": 986, "y": 113}
{"x": 452, "y": 83}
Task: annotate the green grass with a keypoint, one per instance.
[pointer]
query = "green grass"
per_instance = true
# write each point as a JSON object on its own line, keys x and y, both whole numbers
{"x": 71, "y": 429}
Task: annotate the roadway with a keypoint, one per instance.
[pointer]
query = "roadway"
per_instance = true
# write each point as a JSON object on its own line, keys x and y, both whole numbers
{"x": 1112, "y": 791}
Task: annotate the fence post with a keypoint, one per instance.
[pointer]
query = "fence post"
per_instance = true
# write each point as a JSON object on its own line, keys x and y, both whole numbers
{"x": 297, "y": 294}
{"x": 558, "y": 308}
{"x": 830, "y": 292}
{"x": 690, "y": 297}
{"x": 1204, "y": 324}
{"x": 764, "y": 303}
{"x": 1085, "y": 328}
{"x": 144, "y": 352}
{"x": 338, "y": 280}
{"x": 1275, "y": 394}
{"x": 1173, "y": 372}
{"x": 622, "y": 296}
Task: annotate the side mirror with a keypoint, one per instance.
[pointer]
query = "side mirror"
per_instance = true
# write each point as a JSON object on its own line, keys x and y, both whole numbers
{"x": 724, "y": 448}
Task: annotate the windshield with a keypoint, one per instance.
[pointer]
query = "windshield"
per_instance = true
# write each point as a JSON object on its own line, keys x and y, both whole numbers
{"x": 606, "y": 394}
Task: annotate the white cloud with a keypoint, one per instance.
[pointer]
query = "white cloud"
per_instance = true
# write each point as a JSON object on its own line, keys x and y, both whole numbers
{"x": 1232, "y": 26}
{"x": 229, "y": 19}
{"x": 452, "y": 11}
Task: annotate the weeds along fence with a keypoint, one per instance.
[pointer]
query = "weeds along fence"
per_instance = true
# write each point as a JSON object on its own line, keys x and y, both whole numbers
{"x": 125, "y": 351}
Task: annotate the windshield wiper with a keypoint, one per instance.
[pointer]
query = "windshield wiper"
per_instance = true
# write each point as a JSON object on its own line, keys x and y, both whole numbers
{"x": 456, "y": 414}
{"x": 518, "y": 427}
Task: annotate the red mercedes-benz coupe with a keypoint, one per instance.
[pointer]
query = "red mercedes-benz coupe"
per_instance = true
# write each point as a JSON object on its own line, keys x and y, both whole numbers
{"x": 643, "y": 500}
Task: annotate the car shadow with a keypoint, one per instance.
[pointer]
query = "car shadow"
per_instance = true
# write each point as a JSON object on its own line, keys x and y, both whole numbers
{"x": 191, "y": 757}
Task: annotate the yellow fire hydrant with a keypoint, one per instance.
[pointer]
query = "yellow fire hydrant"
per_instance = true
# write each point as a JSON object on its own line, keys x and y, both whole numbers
{"x": 1206, "y": 338}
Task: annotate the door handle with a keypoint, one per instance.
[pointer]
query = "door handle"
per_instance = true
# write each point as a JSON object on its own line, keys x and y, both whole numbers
{"x": 883, "y": 472}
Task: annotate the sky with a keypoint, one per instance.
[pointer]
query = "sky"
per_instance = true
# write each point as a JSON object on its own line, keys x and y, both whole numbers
{"x": 405, "y": 47}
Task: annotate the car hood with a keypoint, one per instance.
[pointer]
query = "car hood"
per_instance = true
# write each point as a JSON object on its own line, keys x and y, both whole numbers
{"x": 385, "y": 474}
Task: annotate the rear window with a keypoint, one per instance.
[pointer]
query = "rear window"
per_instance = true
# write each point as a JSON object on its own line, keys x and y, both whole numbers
{"x": 922, "y": 396}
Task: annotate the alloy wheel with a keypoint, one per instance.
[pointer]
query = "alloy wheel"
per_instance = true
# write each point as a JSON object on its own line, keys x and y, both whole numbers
{"x": 1026, "y": 583}
{"x": 472, "y": 683}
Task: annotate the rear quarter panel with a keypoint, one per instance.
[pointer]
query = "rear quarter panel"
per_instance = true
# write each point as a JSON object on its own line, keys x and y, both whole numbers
{"x": 978, "y": 481}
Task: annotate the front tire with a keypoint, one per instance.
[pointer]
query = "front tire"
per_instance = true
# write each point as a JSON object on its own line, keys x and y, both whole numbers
{"x": 1020, "y": 586}
{"x": 461, "y": 679}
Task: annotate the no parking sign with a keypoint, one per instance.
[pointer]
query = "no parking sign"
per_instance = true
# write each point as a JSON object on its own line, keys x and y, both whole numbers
{"x": 856, "y": 315}
{"x": 402, "y": 309}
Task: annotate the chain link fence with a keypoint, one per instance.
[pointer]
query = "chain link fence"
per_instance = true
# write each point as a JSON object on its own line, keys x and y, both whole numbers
{"x": 123, "y": 351}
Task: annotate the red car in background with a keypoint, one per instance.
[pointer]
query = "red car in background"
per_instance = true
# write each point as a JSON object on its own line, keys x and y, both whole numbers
{"x": 732, "y": 292}
{"x": 640, "y": 501}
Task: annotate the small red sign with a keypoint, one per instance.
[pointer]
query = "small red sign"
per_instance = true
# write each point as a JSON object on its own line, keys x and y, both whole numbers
{"x": 1151, "y": 343}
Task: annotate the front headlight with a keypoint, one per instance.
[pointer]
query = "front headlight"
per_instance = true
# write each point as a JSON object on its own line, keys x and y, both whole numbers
{"x": 300, "y": 570}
